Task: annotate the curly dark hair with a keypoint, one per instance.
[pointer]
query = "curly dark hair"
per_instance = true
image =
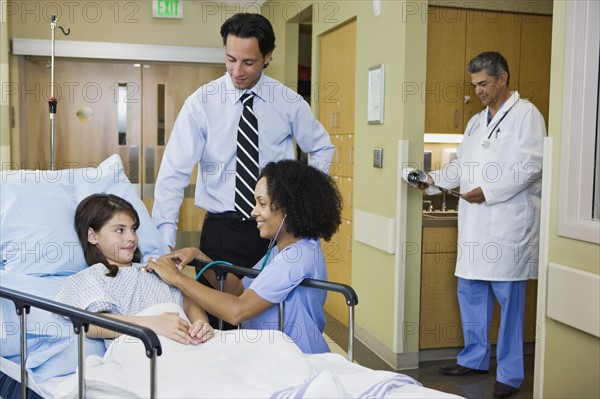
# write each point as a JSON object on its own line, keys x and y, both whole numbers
{"x": 95, "y": 211}
{"x": 309, "y": 197}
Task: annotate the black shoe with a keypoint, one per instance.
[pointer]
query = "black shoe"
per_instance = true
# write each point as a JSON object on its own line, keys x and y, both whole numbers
{"x": 502, "y": 390}
{"x": 457, "y": 369}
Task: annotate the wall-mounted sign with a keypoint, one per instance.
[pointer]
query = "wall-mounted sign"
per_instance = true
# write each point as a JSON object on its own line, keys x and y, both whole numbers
{"x": 167, "y": 9}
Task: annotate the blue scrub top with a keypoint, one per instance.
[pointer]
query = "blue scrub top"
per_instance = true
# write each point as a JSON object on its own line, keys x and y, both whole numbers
{"x": 303, "y": 307}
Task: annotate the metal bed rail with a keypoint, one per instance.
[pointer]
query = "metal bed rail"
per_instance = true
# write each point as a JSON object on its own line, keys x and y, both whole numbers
{"x": 348, "y": 292}
{"x": 81, "y": 320}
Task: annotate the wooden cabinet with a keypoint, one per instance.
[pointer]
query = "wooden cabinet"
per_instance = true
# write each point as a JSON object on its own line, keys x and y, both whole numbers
{"x": 536, "y": 44}
{"x": 440, "y": 323}
{"x": 337, "y": 75}
{"x": 336, "y": 113}
{"x": 454, "y": 36}
{"x": 444, "y": 91}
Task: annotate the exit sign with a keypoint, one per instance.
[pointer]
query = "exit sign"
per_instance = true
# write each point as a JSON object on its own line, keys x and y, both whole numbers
{"x": 167, "y": 9}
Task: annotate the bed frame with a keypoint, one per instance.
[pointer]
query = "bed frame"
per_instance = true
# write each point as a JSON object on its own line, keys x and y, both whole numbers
{"x": 81, "y": 320}
{"x": 350, "y": 296}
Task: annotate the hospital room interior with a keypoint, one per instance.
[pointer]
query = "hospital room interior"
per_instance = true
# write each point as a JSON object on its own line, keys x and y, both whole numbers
{"x": 387, "y": 81}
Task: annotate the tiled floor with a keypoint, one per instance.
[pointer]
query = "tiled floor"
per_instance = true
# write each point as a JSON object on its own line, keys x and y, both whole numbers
{"x": 475, "y": 386}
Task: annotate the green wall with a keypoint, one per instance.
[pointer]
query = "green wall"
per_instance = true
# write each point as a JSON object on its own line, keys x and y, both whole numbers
{"x": 128, "y": 21}
{"x": 572, "y": 362}
{"x": 4, "y": 106}
{"x": 396, "y": 38}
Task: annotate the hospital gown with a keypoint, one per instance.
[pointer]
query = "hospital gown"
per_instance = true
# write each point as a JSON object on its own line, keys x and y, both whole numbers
{"x": 128, "y": 293}
{"x": 303, "y": 307}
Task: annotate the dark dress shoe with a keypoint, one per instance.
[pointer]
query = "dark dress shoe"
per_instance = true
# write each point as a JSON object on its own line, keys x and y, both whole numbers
{"x": 457, "y": 369}
{"x": 502, "y": 390}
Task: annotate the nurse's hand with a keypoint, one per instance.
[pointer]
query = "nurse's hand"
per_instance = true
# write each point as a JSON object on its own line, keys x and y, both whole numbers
{"x": 165, "y": 268}
{"x": 184, "y": 256}
{"x": 475, "y": 196}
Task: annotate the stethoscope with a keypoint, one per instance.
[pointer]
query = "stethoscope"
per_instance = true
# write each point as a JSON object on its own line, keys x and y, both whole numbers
{"x": 486, "y": 143}
{"x": 222, "y": 262}
{"x": 272, "y": 243}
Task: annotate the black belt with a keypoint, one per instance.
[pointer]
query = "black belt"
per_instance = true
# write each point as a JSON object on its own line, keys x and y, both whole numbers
{"x": 229, "y": 215}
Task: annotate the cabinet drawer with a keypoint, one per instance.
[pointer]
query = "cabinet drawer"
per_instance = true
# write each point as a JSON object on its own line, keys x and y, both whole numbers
{"x": 439, "y": 239}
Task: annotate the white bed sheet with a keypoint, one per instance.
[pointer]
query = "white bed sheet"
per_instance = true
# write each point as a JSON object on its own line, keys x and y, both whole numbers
{"x": 331, "y": 363}
{"x": 234, "y": 364}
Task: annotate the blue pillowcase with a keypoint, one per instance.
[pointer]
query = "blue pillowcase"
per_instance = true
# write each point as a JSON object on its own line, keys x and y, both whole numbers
{"x": 38, "y": 239}
{"x": 51, "y": 342}
{"x": 38, "y": 208}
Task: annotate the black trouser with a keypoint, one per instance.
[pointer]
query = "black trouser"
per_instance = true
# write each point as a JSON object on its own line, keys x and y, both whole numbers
{"x": 226, "y": 236}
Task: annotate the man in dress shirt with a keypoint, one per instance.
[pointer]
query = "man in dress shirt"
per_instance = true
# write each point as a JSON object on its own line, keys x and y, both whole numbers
{"x": 205, "y": 132}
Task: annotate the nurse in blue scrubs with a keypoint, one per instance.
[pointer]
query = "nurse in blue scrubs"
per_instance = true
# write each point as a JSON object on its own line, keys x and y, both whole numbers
{"x": 296, "y": 206}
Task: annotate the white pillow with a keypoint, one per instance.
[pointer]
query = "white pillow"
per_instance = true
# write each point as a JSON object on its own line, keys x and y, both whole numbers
{"x": 38, "y": 207}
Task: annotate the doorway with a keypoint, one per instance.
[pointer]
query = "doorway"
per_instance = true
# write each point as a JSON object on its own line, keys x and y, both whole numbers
{"x": 110, "y": 107}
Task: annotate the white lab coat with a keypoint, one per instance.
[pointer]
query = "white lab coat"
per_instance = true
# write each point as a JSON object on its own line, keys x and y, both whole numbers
{"x": 498, "y": 240}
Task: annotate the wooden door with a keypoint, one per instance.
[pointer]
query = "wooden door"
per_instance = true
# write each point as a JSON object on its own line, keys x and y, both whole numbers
{"x": 491, "y": 31}
{"x": 337, "y": 71}
{"x": 98, "y": 113}
{"x": 444, "y": 89}
{"x": 165, "y": 88}
{"x": 536, "y": 48}
{"x": 108, "y": 107}
{"x": 337, "y": 75}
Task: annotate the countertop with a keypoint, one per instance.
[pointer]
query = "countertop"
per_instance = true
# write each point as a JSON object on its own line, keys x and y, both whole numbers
{"x": 440, "y": 219}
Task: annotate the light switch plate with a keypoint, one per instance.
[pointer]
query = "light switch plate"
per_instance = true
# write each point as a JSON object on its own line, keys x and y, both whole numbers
{"x": 378, "y": 158}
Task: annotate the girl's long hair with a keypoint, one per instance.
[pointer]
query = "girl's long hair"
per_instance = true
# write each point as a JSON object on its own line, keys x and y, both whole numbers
{"x": 94, "y": 212}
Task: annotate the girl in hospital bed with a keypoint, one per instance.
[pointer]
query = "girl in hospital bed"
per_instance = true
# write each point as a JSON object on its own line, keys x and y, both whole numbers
{"x": 296, "y": 205}
{"x": 114, "y": 283}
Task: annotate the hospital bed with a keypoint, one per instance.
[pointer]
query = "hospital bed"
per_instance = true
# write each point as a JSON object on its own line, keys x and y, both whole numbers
{"x": 40, "y": 249}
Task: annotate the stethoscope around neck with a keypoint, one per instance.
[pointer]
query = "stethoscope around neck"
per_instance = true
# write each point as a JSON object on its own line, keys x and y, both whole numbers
{"x": 266, "y": 258}
{"x": 272, "y": 244}
{"x": 486, "y": 143}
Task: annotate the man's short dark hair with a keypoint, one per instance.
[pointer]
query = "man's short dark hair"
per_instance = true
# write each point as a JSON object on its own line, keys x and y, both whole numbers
{"x": 246, "y": 25}
{"x": 492, "y": 62}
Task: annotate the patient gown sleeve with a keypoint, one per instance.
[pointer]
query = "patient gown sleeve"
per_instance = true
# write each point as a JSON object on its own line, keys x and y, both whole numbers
{"x": 88, "y": 290}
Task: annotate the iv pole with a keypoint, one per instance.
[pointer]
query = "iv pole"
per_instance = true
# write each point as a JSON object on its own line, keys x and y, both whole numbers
{"x": 52, "y": 101}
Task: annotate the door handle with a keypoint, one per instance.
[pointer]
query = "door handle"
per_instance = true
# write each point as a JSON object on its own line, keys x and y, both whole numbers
{"x": 134, "y": 164}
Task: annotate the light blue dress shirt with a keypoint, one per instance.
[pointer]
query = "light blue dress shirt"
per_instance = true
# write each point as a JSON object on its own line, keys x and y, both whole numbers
{"x": 205, "y": 132}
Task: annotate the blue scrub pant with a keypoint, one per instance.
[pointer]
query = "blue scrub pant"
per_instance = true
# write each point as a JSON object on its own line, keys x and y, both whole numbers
{"x": 476, "y": 302}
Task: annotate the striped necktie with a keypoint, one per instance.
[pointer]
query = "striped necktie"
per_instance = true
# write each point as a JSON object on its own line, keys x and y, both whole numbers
{"x": 246, "y": 170}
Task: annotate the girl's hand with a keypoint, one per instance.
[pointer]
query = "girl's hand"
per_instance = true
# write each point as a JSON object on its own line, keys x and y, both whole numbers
{"x": 201, "y": 330}
{"x": 170, "y": 325}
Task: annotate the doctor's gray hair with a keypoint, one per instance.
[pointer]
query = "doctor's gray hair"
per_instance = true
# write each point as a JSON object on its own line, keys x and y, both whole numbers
{"x": 492, "y": 62}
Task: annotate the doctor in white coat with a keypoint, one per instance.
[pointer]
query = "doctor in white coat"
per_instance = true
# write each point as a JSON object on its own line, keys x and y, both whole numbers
{"x": 498, "y": 169}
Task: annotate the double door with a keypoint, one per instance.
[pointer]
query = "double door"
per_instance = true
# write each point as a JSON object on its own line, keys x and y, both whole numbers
{"x": 105, "y": 108}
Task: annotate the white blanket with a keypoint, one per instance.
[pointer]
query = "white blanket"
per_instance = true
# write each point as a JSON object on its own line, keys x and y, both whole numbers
{"x": 234, "y": 364}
